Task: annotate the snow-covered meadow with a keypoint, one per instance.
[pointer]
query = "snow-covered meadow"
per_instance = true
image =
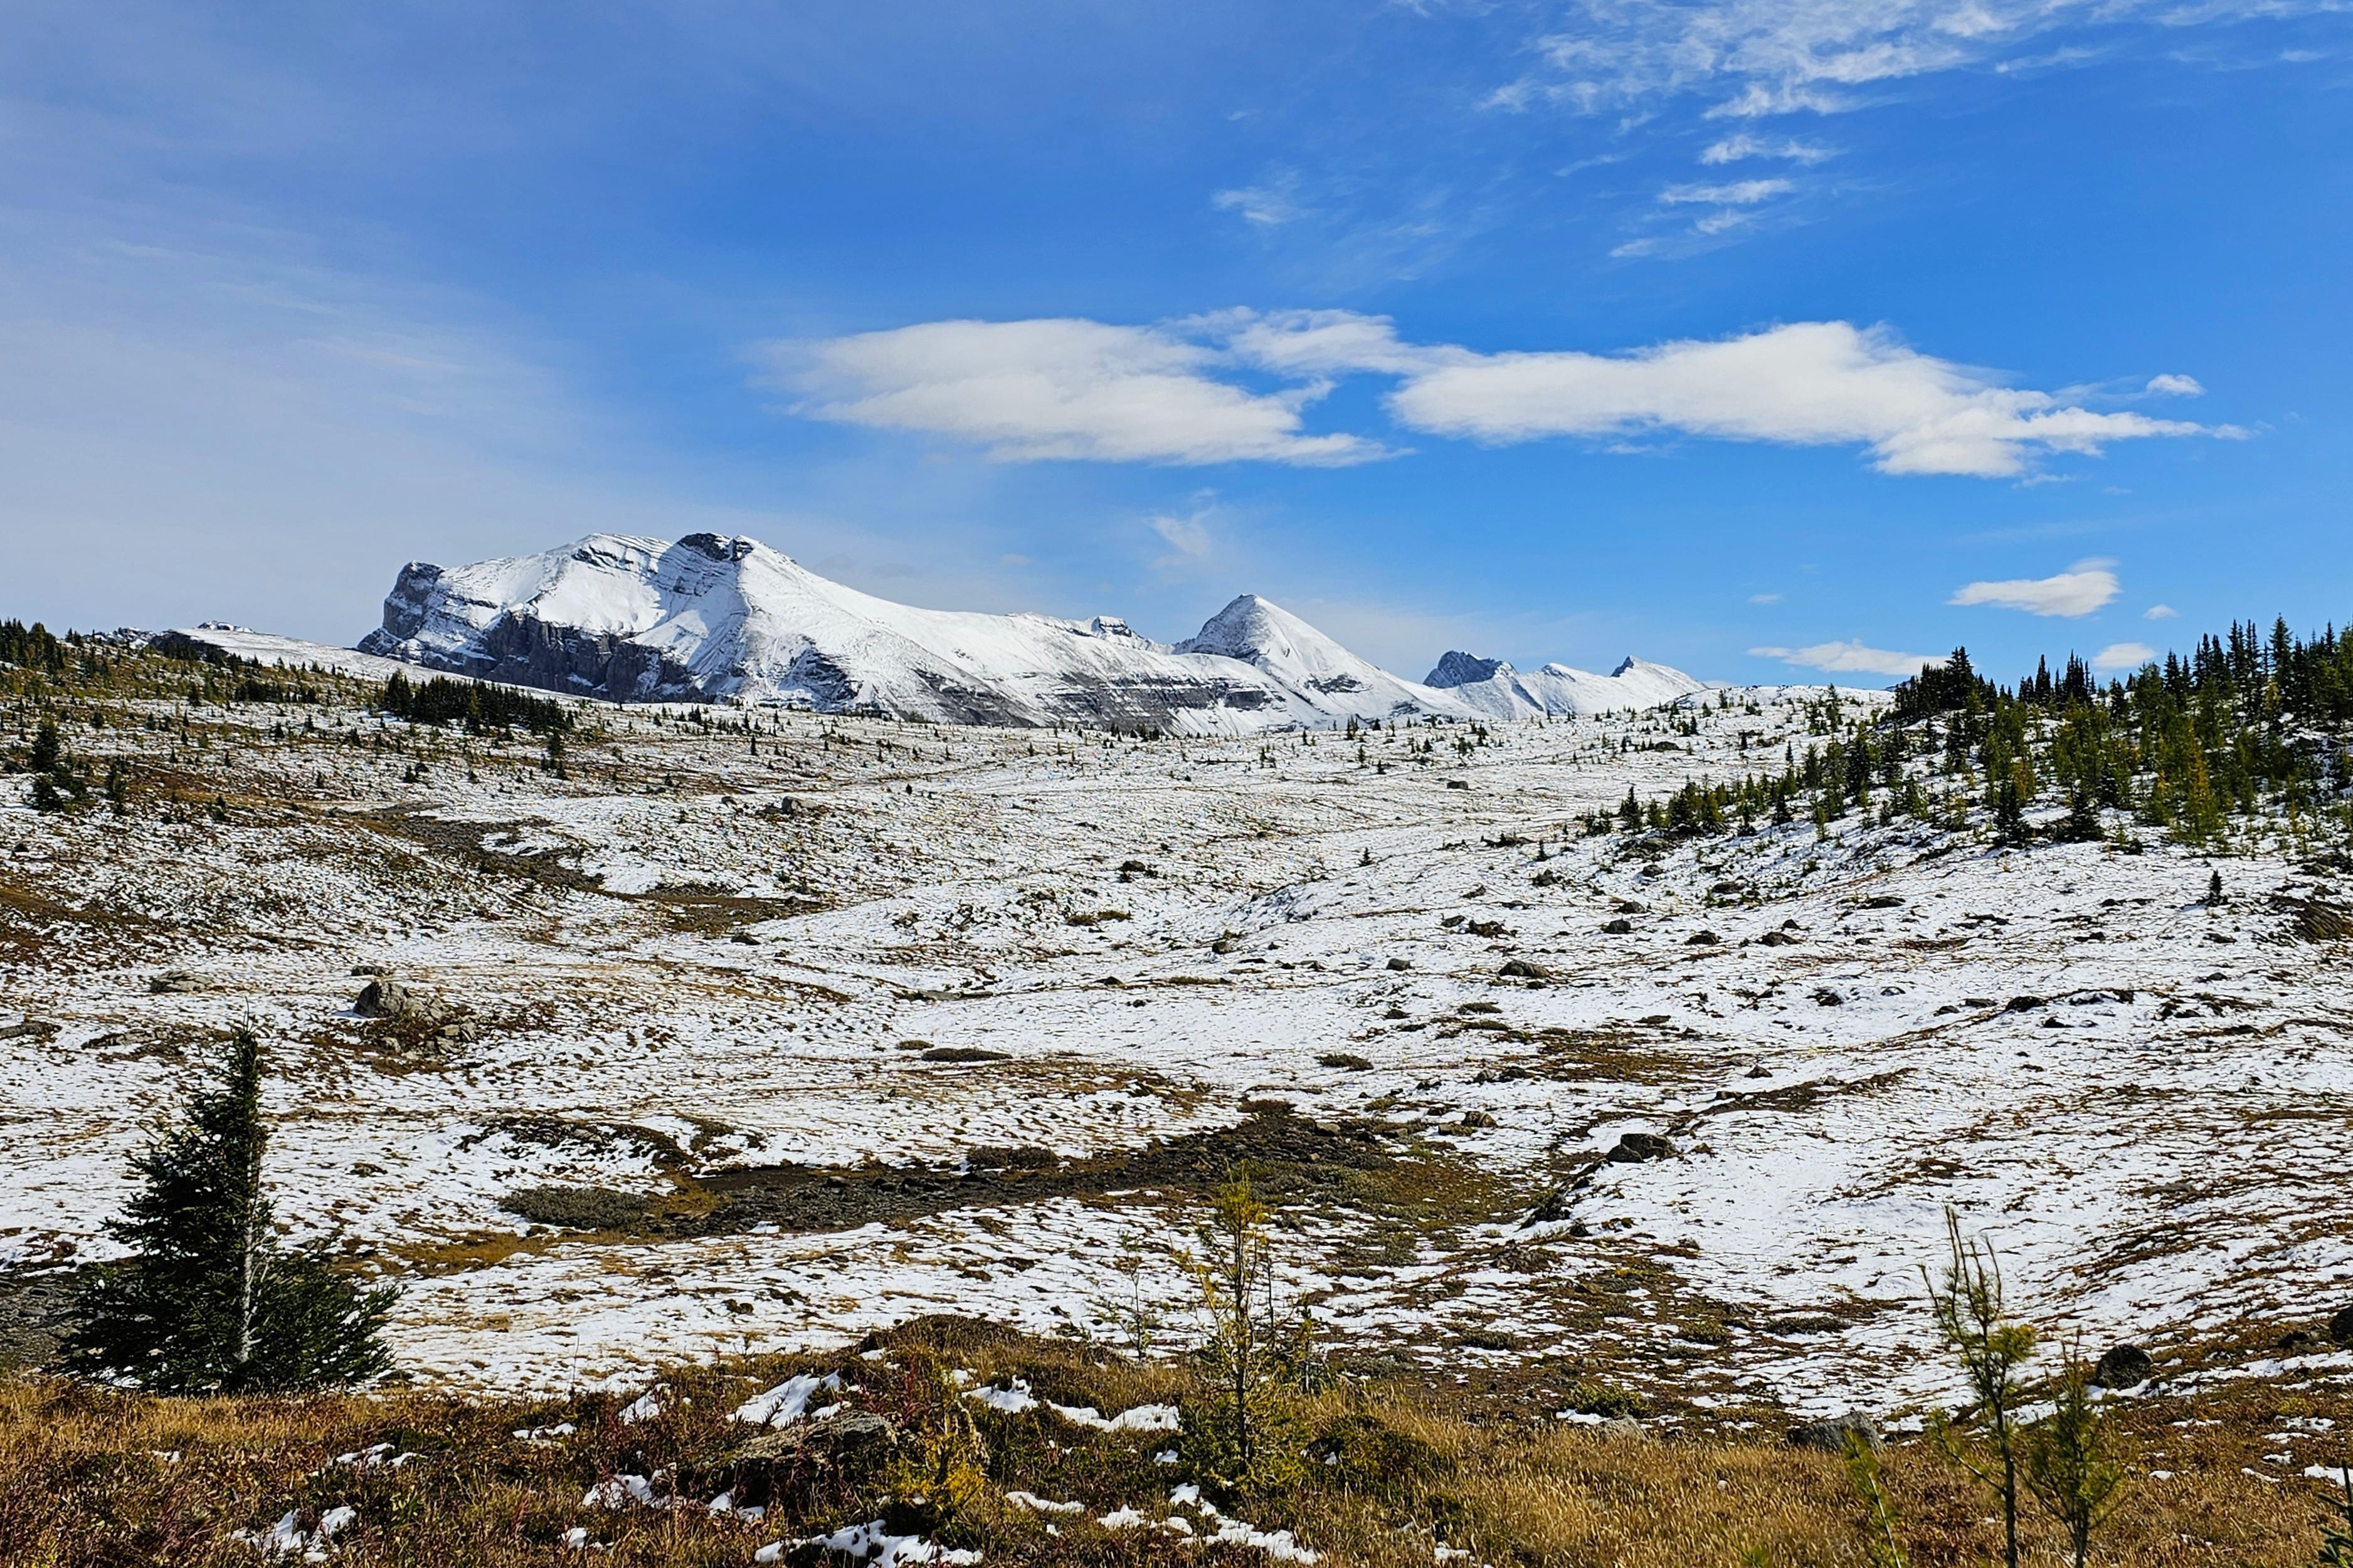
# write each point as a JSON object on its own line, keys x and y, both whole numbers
{"x": 819, "y": 964}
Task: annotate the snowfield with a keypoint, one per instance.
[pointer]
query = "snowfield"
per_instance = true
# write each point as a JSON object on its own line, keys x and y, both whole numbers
{"x": 846, "y": 1020}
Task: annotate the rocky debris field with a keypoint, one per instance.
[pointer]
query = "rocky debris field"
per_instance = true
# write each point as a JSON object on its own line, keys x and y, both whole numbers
{"x": 716, "y": 1032}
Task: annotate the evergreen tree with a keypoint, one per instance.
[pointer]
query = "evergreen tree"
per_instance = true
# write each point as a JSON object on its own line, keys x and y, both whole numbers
{"x": 47, "y": 750}
{"x": 209, "y": 1302}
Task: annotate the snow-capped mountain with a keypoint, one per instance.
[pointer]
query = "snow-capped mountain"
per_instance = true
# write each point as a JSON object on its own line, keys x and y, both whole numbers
{"x": 714, "y": 618}
{"x": 1492, "y": 687}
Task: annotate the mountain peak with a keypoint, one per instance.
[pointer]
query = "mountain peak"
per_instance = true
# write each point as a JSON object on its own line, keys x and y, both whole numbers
{"x": 718, "y": 617}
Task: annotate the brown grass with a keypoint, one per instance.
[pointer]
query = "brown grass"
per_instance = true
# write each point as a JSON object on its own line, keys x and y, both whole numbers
{"x": 92, "y": 1477}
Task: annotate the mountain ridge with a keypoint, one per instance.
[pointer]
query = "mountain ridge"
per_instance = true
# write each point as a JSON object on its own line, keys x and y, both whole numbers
{"x": 712, "y": 617}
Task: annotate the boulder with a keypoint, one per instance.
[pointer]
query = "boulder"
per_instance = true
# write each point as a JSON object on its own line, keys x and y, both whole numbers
{"x": 1777, "y": 939}
{"x": 850, "y": 1445}
{"x": 1829, "y": 1435}
{"x": 1477, "y": 1119}
{"x": 389, "y": 999}
{"x": 1401, "y": 963}
{"x": 1622, "y": 1429}
{"x": 1636, "y": 1147}
{"x": 1620, "y": 927}
{"x": 2123, "y": 1366}
{"x": 1700, "y": 939}
{"x": 2340, "y": 1327}
{"x": 1521, "y": 969}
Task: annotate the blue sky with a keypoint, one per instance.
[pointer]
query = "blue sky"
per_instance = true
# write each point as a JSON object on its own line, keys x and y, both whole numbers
{"x": 1841, "y": 329}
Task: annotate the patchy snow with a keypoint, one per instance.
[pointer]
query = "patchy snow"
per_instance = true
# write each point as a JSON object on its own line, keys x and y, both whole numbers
{"x": 2113, "y": 1080}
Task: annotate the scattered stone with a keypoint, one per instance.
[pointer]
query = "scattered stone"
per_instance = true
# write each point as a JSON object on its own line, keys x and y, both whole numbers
{"x": 1628, "y": 907}
{"x": 178, "y": 983}
{"x": 1477, "y": 1119}
{"x": 1723, "y": 891}
{"x": 2124, "y": 1367}
{"x": 1884, "y": 901}
{"x": 1346, "y": 1061}
{"x": 1759, "y": 1070}
{"x": 2340, "y": 1327}
{"x": 1618, "y": 928}
{"x": 1777, "y": 939}
{"x": 851, "y": 1444}
{"x": 1831, "y": 1434}
{"x": 1400, "y": 964}
{"x": 1827, "y": 997}
{"x": 389, "y": 999}
{"x": 745, "y": 937}
{"x": 1637, "y": 1147}
{"x": 363, "y": 971}
{"x": 1521, "y": 969}
{"x": 1395, "y": 1014}
{"x": 1555, "y": 1207}
{"x": 2023, "y": 1003}
{"x": 1486, "y": 928}
{"x": 1227, "y": 943}
{"x": 1700, "y": 939}
{"x": 1978, "y": 1002}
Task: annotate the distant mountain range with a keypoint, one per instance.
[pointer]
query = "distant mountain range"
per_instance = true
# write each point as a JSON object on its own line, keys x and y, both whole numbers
{"x": 712, "y": 619}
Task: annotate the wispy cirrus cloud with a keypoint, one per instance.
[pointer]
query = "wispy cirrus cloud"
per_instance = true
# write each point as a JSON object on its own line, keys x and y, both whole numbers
{"x": 1733, "y": 149}
{"x": 1739, "y": 192}
{"x": 1193, "y": 391}
{"x": 2078, "y": 590}
{"x": 1755, "y": 58}
{"x": 1851, "y": 658}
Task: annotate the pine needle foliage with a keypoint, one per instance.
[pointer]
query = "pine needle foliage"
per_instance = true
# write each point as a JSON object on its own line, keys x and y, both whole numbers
{"x": 1971, "y": 1319}
{"x": 2067, "y": 1462}
{"x": 1243, "y": 1433}
{"x": 209, "y": 1302}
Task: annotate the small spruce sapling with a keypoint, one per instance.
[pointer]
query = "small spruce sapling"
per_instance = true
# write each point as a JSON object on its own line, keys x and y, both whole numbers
{"x": 1970, "y": 1319}
{"x": 1243, "y": 1435}
{"x": 2336, "y": 1534}
{"x": 2068, "y": 1467}
{"x": 1879, "y": 1525}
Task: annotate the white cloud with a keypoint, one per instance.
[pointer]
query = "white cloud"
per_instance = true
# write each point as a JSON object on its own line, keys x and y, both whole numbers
{"x": 1188, "y": 536}
{"x": 1732, "y": 148}
{"x": 1740, "y": 193}
{"x": 1844, "y": 658}
{"x": 1764, "y": 598}
{"x": 2123, "y": 656}
{"x": 2159, "y": 612}
{"x": 1167, "y": 394}
{"x": 1760, "y": 57}
{"x": 1809, "y": 383}
{"x": 1060, "y": 388}
{"x": 2078, "y": 590}
{"x": 1269, "y": 204}
{"x": 2176, "y": 386}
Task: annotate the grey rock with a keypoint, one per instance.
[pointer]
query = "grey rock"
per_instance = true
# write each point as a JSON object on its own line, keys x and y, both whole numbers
{"x": 1401, "y": 963}
{"x": 400, "y": 1003}
{"x": 1636, "y": 1147}
{"x": 2123, "y": 1366}
{"x": 179, "y": 982}
{"x": 1621, "y": 927}
{"x": 1829, "y": 1435}
{"x": 1521, "y": 969}
{"x": 1622, "y": 1429}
